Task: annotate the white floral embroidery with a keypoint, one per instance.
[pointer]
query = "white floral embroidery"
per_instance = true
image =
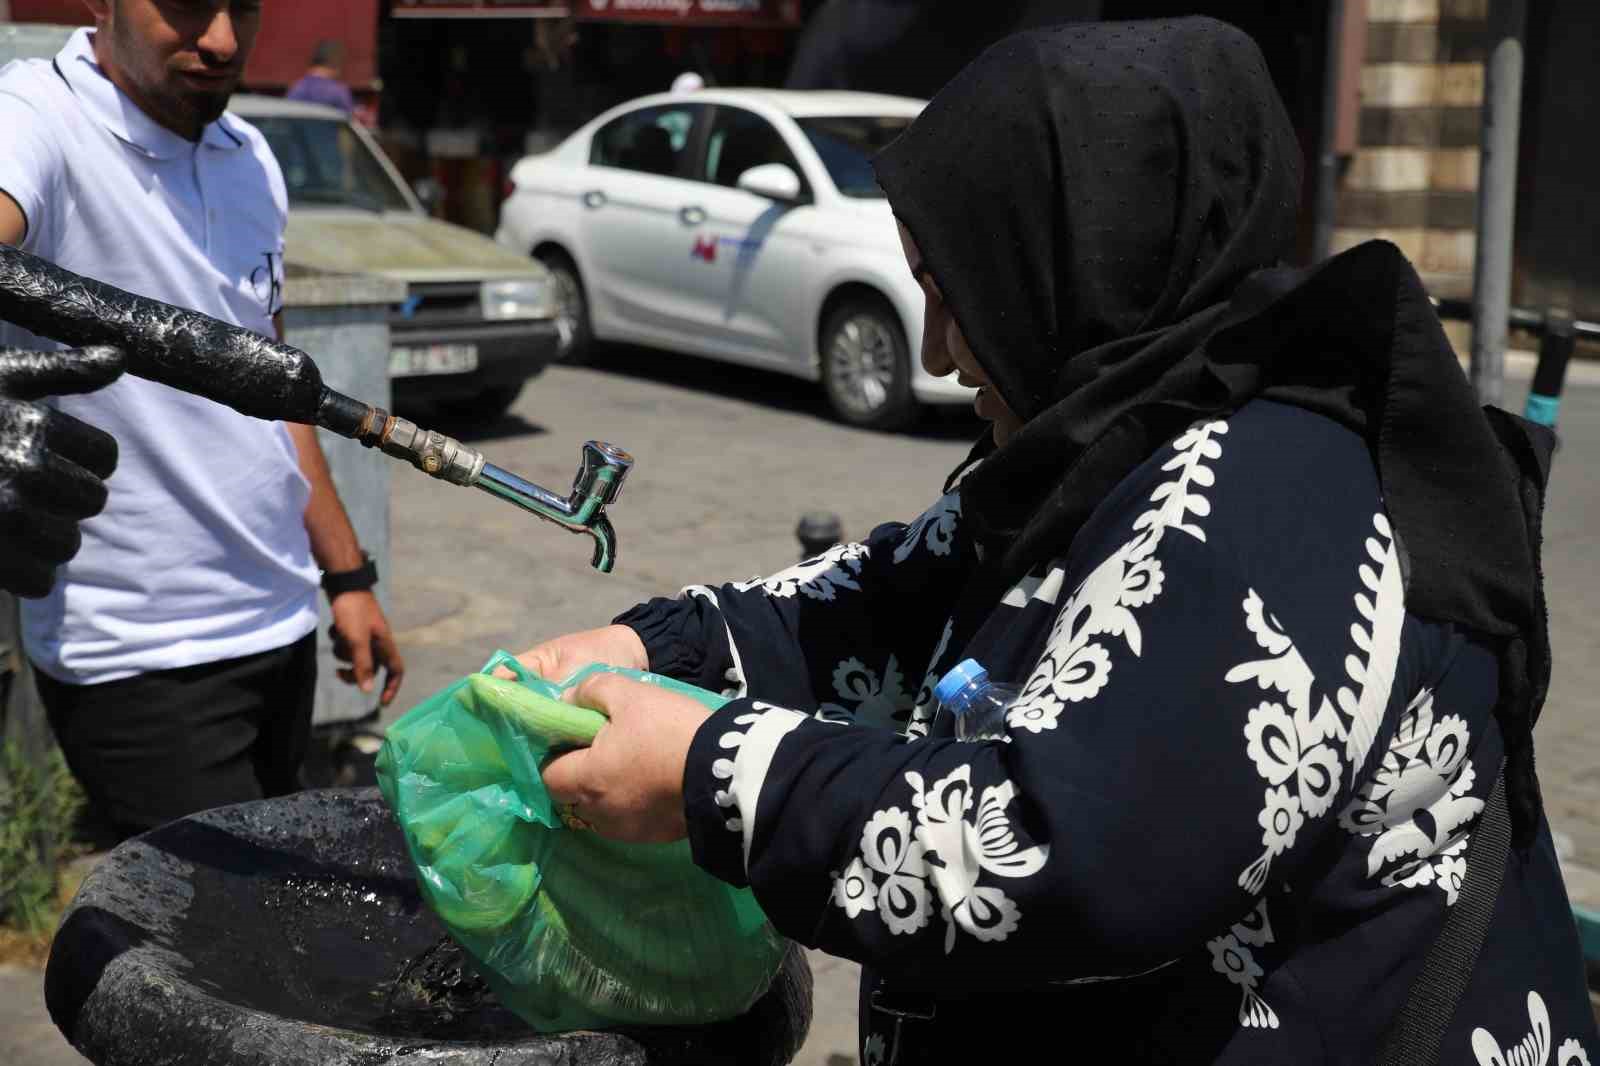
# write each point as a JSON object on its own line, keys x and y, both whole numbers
{"x": 936, "y": 526}
{"x": 1571, "y": 1053}
{"x": 820, "y": 578}
{"x": 944, "y": 850}
{"x": 1076, "y": 665}
{"x": 735, "y": 686}
{"x": 1174, "y": 499}
{"x": 877, "y": 703}
{"x": 889, "y": 846}
{"x": 852, "y": 889}
{"x": 923, "y": 707}
{"x": 1531, "y": 1050}
{"x": 1232, "y": 958}
{"x": 1418, "y": 805}
{"x": 1300, "y": 746}
{"x": 754, "y": 746}
{"x": 1383, "y": 608}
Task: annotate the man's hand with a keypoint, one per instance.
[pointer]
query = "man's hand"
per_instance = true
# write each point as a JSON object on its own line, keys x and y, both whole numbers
{"x": 628, "y": 784}
{"x": 52, "y": 466}
{"x": 362, "y": 638}
{"x": 561, "y": 657}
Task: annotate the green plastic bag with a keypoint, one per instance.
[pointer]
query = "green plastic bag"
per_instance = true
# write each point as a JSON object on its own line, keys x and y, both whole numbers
{"x": 572, "y": 931}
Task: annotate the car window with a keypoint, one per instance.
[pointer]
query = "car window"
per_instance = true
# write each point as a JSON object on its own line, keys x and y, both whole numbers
{"x": 846, "y": 145}
{"x": 651, "y": 140}
{"x": 740, "y": 140}
{"x": 324, "y": 162}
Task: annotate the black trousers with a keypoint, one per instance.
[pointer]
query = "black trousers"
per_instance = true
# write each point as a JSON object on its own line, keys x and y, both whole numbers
{"x": 158, "y": 746}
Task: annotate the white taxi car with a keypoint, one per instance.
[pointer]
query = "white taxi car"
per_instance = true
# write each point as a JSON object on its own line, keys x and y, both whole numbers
{"x": 739, "y": 224}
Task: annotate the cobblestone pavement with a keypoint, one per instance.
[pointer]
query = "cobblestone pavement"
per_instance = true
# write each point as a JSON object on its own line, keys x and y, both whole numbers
{"x": 727, "y": 461}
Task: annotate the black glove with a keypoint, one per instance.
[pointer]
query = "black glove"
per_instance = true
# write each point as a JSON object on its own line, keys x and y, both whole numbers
{"x": 52, "y": 466}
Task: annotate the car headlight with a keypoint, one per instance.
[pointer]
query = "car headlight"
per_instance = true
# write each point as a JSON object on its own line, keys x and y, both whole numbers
{"x": 522, "y": 298}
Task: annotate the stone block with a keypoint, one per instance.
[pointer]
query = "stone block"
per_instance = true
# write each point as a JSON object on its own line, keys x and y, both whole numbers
{"x": 1389, "y": 169}
{"x": 1454, "y": 169}
{"x": 1403, "y": 10}
{"x": 1422, "y": 84}
{"x": 1409, "y": 241}
{"x": 1459, "y": 85}
{"x": 1421, "y": 127}
{"x": 1448, "y": 251}
{"x": 1398, "y": 84}
{"x": 1466, "y": 10}
{"x": 1426, "y": 42}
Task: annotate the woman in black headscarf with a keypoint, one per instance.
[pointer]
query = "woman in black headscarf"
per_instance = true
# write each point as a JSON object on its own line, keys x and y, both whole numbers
{"x": 1266, "y": 577}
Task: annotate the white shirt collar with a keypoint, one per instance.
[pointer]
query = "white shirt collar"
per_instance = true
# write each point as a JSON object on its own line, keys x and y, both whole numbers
{"x": 126, "y": 121}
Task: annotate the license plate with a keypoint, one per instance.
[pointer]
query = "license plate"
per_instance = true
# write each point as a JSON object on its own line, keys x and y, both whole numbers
{"x": 410, "y": 361}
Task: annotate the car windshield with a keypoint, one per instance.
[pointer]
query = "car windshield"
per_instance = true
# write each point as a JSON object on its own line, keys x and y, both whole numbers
{"x": 324, "y": 162}
{"x": 846, "y": 145}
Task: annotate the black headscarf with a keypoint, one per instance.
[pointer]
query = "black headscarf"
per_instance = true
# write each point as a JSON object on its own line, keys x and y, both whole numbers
{"x": 1103, "y": 207}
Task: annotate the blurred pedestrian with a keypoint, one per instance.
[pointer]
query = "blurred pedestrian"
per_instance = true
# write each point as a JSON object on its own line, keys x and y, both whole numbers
{"x": 323, "y": 82}
{"x": 176, "y": 654}
{"x": 1262, "y": 577}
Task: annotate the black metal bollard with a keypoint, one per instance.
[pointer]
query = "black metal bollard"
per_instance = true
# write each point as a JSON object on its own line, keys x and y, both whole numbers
{"x": 1555, "y": 351}
{"x": 818, "y": 531}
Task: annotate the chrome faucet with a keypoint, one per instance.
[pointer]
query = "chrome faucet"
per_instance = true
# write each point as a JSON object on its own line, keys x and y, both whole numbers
{"x": 600, "y": 475}
{"x": 599, "y": 480}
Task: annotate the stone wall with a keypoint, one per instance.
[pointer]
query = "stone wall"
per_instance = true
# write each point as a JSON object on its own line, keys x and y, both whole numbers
{"x": 1414, "y": 177}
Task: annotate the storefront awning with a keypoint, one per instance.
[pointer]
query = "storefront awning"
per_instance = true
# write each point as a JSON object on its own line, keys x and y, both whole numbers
{"x": 778, "y": 14}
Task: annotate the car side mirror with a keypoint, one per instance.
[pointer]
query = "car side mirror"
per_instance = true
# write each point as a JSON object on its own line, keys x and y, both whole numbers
{"x": 430, "y": 192}
{"x": 775, "y": 181}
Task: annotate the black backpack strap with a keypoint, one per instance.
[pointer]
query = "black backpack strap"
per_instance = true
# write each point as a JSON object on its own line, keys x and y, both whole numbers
{"x": 1419, "y": 1029}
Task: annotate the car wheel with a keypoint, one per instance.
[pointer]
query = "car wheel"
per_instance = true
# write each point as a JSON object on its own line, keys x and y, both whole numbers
{"x": 866, "y": 369}
{"x": 486, "y": 406}
{"x": 572, "y": 309}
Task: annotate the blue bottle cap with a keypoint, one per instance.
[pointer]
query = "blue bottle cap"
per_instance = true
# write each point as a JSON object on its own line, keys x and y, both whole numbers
{"x": 964, "y": 673}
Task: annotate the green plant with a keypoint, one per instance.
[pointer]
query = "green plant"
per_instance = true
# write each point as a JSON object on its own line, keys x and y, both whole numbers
{"x": 39, "y": 803}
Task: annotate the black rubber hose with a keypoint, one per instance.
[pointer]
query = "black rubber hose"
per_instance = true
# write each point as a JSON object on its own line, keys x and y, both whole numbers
{"x": 184, "y": 349}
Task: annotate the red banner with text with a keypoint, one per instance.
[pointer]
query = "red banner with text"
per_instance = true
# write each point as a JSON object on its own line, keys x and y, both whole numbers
{"x": 481, "y": 9}
{"x": 749, "y": 13}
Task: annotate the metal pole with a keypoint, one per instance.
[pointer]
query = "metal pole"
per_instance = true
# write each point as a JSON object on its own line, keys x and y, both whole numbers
{"x": 1497, "y": 197}
{"x": 1327, "y": 158}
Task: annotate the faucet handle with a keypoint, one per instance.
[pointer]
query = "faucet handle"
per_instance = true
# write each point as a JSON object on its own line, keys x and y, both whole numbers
{"x": 601, "y": 473}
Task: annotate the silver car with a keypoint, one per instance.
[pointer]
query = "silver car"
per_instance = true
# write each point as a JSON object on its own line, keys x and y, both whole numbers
{"x": 478, "y": 320}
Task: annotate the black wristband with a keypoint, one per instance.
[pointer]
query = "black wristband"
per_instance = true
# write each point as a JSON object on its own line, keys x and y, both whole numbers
{"x": 360, "y": 579}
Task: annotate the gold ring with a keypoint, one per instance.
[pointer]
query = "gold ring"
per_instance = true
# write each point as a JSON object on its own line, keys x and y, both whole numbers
{"x": 569, "y": 816}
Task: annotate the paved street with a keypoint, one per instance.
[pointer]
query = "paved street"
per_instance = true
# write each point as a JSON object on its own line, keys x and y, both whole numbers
{"x": 727, "y": 462}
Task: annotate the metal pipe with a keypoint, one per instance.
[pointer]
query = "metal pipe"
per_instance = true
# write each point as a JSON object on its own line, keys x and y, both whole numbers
{"x": 1497, "y": 198}
{"x": 257, "y": 376}
{"x": 599, "y": 479}
{"x": 1327, "y": 156}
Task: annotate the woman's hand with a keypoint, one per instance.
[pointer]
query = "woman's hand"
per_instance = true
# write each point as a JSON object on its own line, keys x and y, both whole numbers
{"x": 628, "y": 784}
{"x": 560, "y": 658}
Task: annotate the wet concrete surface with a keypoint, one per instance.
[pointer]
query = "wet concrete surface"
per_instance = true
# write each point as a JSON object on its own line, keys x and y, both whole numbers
{"x": 293, "y": 931}
{"x": 728, "y": 460}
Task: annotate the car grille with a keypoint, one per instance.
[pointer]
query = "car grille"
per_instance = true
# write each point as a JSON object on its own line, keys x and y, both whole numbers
{"x": 439, "y": 304}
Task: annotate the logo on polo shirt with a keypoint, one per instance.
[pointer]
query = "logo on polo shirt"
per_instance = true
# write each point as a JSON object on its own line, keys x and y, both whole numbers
{"x": 267, "y": 281}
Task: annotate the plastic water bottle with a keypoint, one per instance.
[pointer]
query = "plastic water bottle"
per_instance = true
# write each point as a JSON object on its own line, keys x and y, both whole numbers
{"x": 977, "y": 704}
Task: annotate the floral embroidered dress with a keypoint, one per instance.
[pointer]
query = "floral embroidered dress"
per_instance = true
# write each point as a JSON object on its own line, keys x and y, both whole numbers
{"x": 1231, "y": 810}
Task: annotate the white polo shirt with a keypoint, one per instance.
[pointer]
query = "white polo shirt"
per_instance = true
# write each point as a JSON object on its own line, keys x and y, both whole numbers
{"x": 201, "y": 553}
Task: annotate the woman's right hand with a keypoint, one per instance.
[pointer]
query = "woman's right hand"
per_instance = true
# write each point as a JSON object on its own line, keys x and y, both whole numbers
{"x": 563, "y": 656}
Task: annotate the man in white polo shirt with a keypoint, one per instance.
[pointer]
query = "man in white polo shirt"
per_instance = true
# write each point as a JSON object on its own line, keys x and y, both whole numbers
{"x": 176, "y": 650}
